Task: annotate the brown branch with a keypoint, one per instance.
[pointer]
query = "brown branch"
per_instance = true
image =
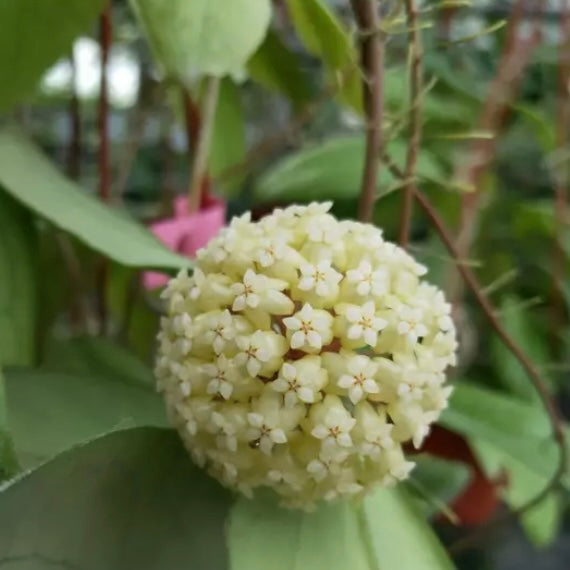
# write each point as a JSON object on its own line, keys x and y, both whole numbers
{"x": 74, "y": 150}
{"x": 533, "y": 373}
{"x": 105, "y": 34}
{"x": 415, "y": 50}
{"x": 372, "y": 62}
{"x": 202, "y": 145}
{"x": 561, "y": 191}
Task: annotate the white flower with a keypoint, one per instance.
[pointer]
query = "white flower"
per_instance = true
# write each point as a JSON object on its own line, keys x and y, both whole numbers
{"x": 410, "y": 323}
{"x": 320, "y": 277}
{"x": 249, "y": 291}
{"x": 309, "y": 328}
{"x": 360, "y": 378}
{"x": 222, "y": 376}
{"x": 220, "y": 331}
{"x": 364, "y": 324}
{"x": 299, "y": 381}
{"x": 304, "y": 354}
{"x": 368, "y": 280}
{"x": 335, "y": 429}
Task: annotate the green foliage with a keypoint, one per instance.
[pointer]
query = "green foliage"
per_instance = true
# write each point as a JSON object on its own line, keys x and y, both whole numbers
{"x": 18, "y": 284}
{"x": 30, "y": 178}
{"x": 213, "y": 37}
{"x": 277, "y": 68}
{"x": 324, "y": 36}
{"x": 332, "y": 171}
{"x": 52, "y": 411}
{"x": 8, "y": 462}
{"x": 384, "y": 533}
{"x": 509, "y": 371}
{"x": 515, "y": 427}
{"x": 131, "y": 499}
{"x": 35, "y": 33}
{"x": 228, "y": 138}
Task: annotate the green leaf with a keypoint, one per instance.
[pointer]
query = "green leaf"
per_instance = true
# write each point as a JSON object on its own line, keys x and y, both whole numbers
{"x": 542, "y": 522}
{"x": 277, "y": 68}
{"x": 228, "y": 137}
{"x": 332, "y": 170}
{"x": 50, "y": 412}
{"x": 399, "y": 536}
{"x": 516, "y": 321}
{"x": 129, "y": 500}
{"x": 328, "y": 539}
{"x": 90, "y": 355}
{"x": 8, "y": 461}
{"x": 18, "y": 284}
{"x": 35, "y": 33}
{"x": 214, "y": 37}
{"x": 31, "y": 178}
{"x": 335, "y": 537}
{"x": 515, "y": 427}
{"x": 324, "y": 36}
{"x": 437, "y": 482}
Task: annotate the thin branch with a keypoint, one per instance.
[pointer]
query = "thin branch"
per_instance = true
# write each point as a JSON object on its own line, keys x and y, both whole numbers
{"x": 533, "y": 373}
{"x": 561, "y": 191}
{"x": 415, "y": 63}
{"x": 74, "y": 150}
{"x": 202, "y": 149}
{"x": 372, "y": 62}
{"x": 105, "y": 35}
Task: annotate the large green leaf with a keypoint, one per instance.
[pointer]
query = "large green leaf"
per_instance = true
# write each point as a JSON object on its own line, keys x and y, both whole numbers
{"x": 324, "y": 36}
{"x": 542, "y": 522}
{"x": 8, "y": 461}
{"x": 332, "y": 170}
{"x": 18, "y": 283}
{"x": 90, "y": 355}
{"x": 34, "y": 34}
{"x": 328, "y": 539}
{"x": 31, "y": 178}
{"x": 277, "y": 68}
{"x": 214, "y": 37}
{"x": 228, "y": 137}
{"x": 515, "y": 427}
{"x": 129, "y": 500}
{"x": 49, "y": 412}
{"x": 384, "y": 533}
{"x": 399, "y": 536}
{"x": 509, "y": 370}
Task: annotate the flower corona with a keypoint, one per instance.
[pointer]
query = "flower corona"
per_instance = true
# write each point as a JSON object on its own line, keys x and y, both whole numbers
{"x": 302, "y": 354}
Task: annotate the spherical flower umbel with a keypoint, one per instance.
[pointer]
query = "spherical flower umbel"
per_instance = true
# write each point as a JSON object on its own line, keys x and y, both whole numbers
{"x": 302, "y": 354}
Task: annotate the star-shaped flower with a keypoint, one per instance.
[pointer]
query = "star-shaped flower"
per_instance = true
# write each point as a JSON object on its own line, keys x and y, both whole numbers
{"x": 309, "y": 328}
{"x": 364, "y": 324}
{"x": 369, "y": 280}
{"x": 299, "y": 381}
{"x": 222, "y": 375}
{"x": 359, "y": 381}
{"x": 335, "y": 428}
{"x": 322, "y": 278}
{"x": 248, "y": 293}
{"x": 410, "y": 323}
{"x": 220, "y": 331}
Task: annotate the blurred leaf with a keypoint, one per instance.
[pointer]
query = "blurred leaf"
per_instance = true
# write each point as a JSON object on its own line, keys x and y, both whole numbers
{"x": 18, "y": 284}
{"x": 328, "y": 539}
{"x": 400, "y": 538}
{"x": 129, "y": 500}
{"x": 543, "y": 126}
{"x": 513, "y": 426}
{"x": 34, "y": 34}
{"x": 31, "y": 178}
{"x": 332, "y": 170}
{"x": 337, "y": 536}
{"x": 96, "y": 356}
{"x": 542, "y": 522}
{"x": 8, "y": 461}
{"x": 212, "y": 37}
{"x": 277, "y": 68}
{"x": 50, "y": 412}
{"x": 437, "y": 482}
{"x": 228, "y": 137}
{"x": 324, "y": 36}
{"x": 490, "y": 29}
{"x": 511, "y": 374}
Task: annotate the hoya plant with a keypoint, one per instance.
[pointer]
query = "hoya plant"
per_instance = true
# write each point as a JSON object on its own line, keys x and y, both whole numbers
{"x": 329, "y": 330}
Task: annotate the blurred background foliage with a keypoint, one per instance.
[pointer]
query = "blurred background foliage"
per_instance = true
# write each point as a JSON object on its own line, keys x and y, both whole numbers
{"x": 77, "y": 334}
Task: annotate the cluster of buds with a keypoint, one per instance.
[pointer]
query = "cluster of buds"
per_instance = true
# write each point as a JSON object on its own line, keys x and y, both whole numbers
{"x": 302, "y": 354}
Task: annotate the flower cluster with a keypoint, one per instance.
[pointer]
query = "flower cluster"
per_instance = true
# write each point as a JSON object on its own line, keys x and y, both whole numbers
{"x": 302, "y": 354}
